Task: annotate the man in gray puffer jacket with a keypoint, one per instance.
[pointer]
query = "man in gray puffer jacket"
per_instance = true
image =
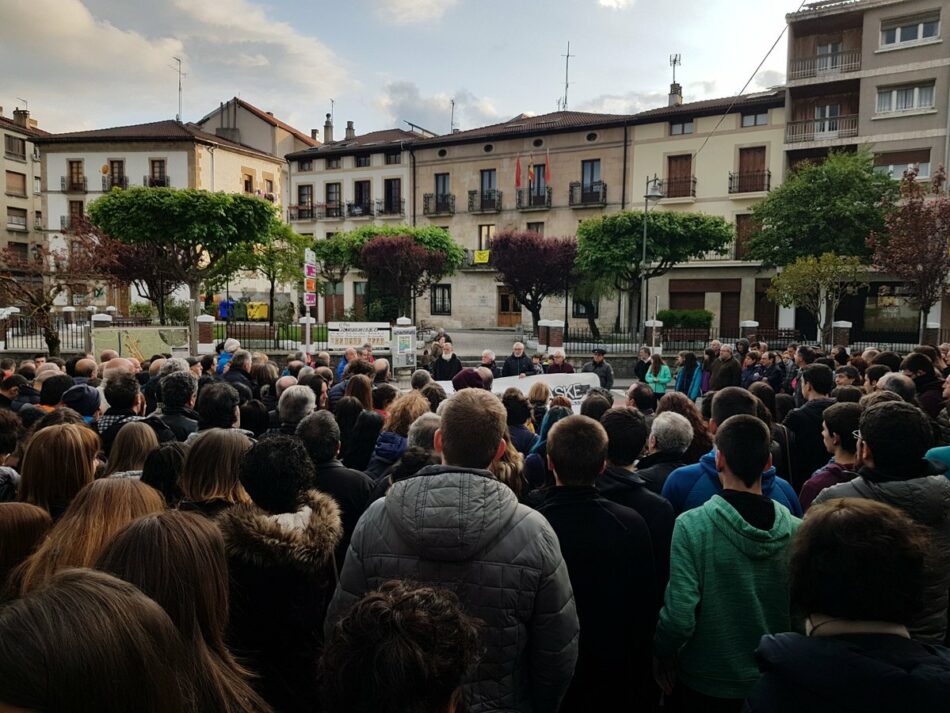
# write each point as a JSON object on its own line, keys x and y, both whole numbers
{"x": 894, "y": 436}
{"x": 458, "y": 527}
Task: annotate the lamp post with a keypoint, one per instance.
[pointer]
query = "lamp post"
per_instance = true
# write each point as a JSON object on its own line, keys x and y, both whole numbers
{"x": 653, "y": 192}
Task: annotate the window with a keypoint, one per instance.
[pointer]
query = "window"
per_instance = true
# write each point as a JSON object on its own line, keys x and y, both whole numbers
{"x": 441, "y": 184}
{"x": 75, "y": 173}
{"x": 906, "y": 98}
{"x": 537, "y": 143}
{"x": 679, "y": 176}
{"x": 157, "y": 175}
{"x": 363, "y": 161}
{"x": 38, "y": 220}
{"x": 333, "y": 193}
{"x": 536, "y": 228}
{"x": 592, "y": 136}
{"x": 19, "y": 251}
{"x": 14, "y": 147}
{"x": 333, "y": 163}
{"x": 16, "y": 218}
{"x": 538, "y": 180}
{"x": 895, "y": 163}
{"x": 488, "y": 148}
{"x": 16, "y": 184}
{"x": 37, "y": 185}
{"x": 393, "y": 157}
{"x": 486, "y": 233}
{"x": 305, "y": 195}
{"x": 248, "y": 183}
{"x": 681, "y": 127}
{"x": 487, "y": 181}
{"x": 761, "y": 119}
{"x": 392, "y": 196}
{"x": 910, "y": 31}
{"x": 826, "y": 118}
{"x": 443, "y": 153}
{"x": 362, "y": 193}
{"x": 580, "y": 309}
{"x": 746, "y": 226}
{"x": 305, "y": 165}
{"x": 590, "y": 174}
{"x": 440, "y": 302}
{"x": 828, "y": 56}
{"x": 268, "y": 185}
{"x": 75, "y": 212}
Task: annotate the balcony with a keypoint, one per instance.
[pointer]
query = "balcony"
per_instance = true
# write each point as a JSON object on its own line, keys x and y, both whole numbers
{"x": 300, "y": 212}
{"x": 749, "y": 181}
{"x": 363, "y": 209}
{"x": 681, "y": 187}
{"x": 110, "y": 182}
{"x": 438, "y": 204}
{"x": 477, "y": 260}
{"x": 825, "y": 65}
{"x": 37, "y": 222}
{"x": 72, "y": 184}
{"x": 587, "y": 195}
{"x": 156, "y": 181}
{"x": 484, "y": 201}
{"x": 838, "y": 127}
{"x": 391, "y": 209}
{"x": 530, "y": 200}
{"x": 331, "y": 210}
{"x": 67, "y": 222}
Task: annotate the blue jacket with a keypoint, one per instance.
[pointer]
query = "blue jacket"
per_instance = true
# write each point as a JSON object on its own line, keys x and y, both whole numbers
{"x": 223, "y": 359}
{"x": 339, "y": 368}
{"x": 695, "y": 386}
{"x": 389, "y": 448}
{"x": 692, "y": 485}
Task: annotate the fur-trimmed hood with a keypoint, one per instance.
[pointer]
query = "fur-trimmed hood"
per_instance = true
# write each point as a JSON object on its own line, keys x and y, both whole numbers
{"x": 304, "y": 540}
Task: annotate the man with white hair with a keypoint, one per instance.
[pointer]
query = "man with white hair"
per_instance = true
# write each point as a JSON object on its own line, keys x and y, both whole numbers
{"x": 519, "y": 363}
{"x": 348, "y": 356}
{"x": 295, "y": 404}
{"x": 239, "y": 370}
{"x": 419, "y": 378}
{"x": 283, "y": 383}
{"x": 383, "y": 374}
{"x": 670, "y": 435}
{"x": 559, "y": 364}
{"x": 488, "y": 361}
{"x": 729, "y": 371}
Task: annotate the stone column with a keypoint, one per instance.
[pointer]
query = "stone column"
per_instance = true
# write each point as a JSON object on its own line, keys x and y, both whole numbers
{"x": 748, "y": 328}
{"x": 551, "y": 334}
{"x": 841, "y": 333}
{"x": 205, "y": 333}
{"x": 653, "y": 335}
{"x": 111, "y": 310}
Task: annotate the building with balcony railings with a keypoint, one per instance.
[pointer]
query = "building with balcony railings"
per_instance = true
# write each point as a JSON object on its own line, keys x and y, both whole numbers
{"x": 79, "y": 167}
{"x": 348, "y": 183}
{"x": 21, "y": 201}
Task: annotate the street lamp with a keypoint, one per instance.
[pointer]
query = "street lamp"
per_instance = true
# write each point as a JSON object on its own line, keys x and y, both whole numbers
{"x": 653, "y": 192}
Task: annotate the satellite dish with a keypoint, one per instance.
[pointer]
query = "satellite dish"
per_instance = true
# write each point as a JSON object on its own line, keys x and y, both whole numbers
{"x": 105, "y": 169}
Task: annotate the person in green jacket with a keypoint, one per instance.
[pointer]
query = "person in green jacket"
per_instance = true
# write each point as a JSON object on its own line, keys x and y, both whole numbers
{"x": 728, "y": 579}
{"x": 658, "y": 375}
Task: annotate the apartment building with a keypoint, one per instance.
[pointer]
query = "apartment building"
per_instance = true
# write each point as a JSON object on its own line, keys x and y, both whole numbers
{"x": 873, "y": 73}
{"x": 78, "y": 167}
{"x": 346, "y": 184}
{"x": 21, "y": 203}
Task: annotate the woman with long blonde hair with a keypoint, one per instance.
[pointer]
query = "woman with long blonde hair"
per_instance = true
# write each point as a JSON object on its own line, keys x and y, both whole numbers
{"x": 95, "y": 515}
{"x": 57, "y": 463}
{"x": 210, "y": 477}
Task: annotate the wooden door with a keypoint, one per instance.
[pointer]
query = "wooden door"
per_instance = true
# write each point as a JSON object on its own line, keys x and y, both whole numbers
{"x": 679, "y": 181}
{"x": 729, "y": 315}
{"x": 333, "y": 303}
{"x": 509, "y": 310}
{"x": 752, "y": 169}
{"x": 766, "y": 311}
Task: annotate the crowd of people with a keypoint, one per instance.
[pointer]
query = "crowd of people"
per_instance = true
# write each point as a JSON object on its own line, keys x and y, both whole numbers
{"x": 752, "y": 530}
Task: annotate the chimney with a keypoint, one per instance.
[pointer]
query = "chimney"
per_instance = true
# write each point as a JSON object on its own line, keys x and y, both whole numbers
{"x": 676, "y": 94}
{"x": 328, "y": 131}
{"x": 350, "y": 131}
{"x": 314, "y": 133}
{"x": 21, "y": 117}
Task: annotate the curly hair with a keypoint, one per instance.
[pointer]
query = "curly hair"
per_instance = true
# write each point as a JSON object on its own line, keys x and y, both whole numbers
{"x": 402, "y": 649}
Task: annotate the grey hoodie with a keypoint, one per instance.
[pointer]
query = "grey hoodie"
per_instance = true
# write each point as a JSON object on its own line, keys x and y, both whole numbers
{"x": 461, "y": 529}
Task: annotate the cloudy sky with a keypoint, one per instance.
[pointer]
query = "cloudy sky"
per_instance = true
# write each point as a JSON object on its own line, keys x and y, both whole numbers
{"x": 93, "y": 63}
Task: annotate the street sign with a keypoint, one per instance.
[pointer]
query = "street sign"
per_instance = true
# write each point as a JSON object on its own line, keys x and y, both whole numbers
{"x": 310, "y": 299}
{"x": 309, "y": 285}
{"x": 309, "y": 256}
{"x": 309, "y": 270}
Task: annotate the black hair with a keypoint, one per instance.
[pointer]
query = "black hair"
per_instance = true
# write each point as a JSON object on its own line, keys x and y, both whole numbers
{"x": 744, "y": 442}
{"x": 917, "y": 362}
{"x": 842, "y": 419}
{"x": 51, "y": 393}
{"x": 120, "y": 390}
{"x": 517, "y": 406}
{"x": 254, "y": 417}
{"x": 162, "y": 470}
{"x": 215, "y": 406}
{"x": 177, "y": 388}
{"x": 276, "y": 472}
{"x": 806, "y": 354}
{"x": 874, "y": 372}
{"x": 898, "y": 435}
{"x": 891, "y": 360}
{"x": 320, "y": 435}
{"x": 819, "y": 377}
{"x": 732, "y": 401}
{"x": 362, "y": 440}
{"x": 627, "y": 433}
{"x": 383, "y": 394}
{"x": 595, "y": 406}
{"x": 642, "y": 395}
{"x": 847, "y": 394}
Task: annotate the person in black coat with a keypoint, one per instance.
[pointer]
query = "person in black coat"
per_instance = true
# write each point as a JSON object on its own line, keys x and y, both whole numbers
{"x": 609, "y": 556}
{"x": 643, "y": 363}
{"x": 807, "y": 448}
{"x": 728, "y": 371}
{"x": 179, "y": 391}
{"x": 282, "y": 576}
{"x": 447, "y": 365}
{"x": 857, "y": 574}
{"x": 350, "y": 488}
{"x": 518, "y": 363}
{"x": 239, "y": 370}
{"x": 671, "y": 435}
{"x": 626, "y": 435}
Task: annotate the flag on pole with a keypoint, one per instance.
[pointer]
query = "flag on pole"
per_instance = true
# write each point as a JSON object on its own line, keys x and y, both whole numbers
{"x": 530, "y": 170}
{"x": 547, "y": 168}
{"x": 518, "y": 173}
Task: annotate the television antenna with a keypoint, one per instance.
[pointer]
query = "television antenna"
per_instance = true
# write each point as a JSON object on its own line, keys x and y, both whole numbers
{"x": 181, "y": 75}
{"x": 26, "y": 104}
{"x": 567, "y": 69}
{"x": 676, "y": 60}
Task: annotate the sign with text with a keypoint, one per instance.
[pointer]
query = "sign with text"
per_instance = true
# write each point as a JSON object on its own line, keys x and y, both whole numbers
{"x": 342, "y": 335}
{"x": 309, "y": 256}
{"x": 310, "y": 270}
{"x": 404, "y": 347}
{"x": 309, "y": 285}
{"x": 573, "y": 386}
{"x": 309, "y": 299}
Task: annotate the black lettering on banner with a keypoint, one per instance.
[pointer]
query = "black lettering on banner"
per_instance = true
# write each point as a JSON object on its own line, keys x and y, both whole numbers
{"x": 575, "y": 392}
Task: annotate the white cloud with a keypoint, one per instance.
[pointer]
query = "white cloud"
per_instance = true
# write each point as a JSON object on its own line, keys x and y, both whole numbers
{"x": 768, "y": 78}
{"x": 409, "y": 12}
{"x": 626, "y": 103}
{"x": 403, "y": 101}
{"x": 615, "y": 4}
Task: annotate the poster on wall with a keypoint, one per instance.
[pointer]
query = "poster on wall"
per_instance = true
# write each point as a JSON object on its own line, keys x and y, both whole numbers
{"x": 342, "y": 335}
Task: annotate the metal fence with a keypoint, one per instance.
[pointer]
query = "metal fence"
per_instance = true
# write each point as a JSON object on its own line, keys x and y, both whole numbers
{"x": 279, "y": 336}
{"x": 25, "y": 334}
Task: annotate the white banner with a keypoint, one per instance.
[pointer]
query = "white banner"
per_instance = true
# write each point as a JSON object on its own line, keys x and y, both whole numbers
{"x": 342, "y": 335}
{"x": 573, "y": 386}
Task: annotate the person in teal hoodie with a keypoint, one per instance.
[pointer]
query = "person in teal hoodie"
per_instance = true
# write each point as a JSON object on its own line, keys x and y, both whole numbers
{"x": 692, "y": 485}
{"x": 658, "y": 375}
{"x": 689, "y": 377}
{"x": 728, "y": 580}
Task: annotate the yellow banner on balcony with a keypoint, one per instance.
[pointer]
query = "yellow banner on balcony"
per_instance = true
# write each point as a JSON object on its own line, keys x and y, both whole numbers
{"x": 481, "y": 257}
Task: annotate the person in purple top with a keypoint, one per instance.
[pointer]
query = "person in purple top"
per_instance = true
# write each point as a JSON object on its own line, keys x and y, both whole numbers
{"x": 840, "y": 422}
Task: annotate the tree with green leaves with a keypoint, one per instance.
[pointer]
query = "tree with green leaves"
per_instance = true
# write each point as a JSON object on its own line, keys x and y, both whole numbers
{"x": 828, "y": 207}
{"x": 203, "y": 232}
{"x": 587, "y": 291}
{"x": 611, "y": 246}
{"x": 818, "y": 284}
